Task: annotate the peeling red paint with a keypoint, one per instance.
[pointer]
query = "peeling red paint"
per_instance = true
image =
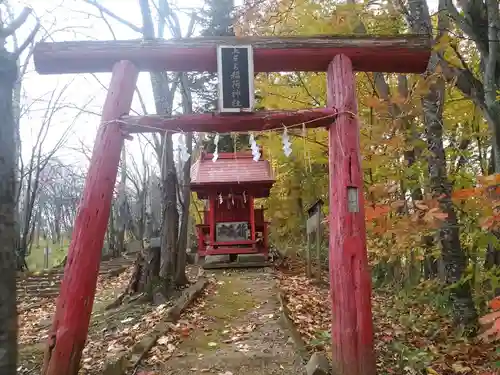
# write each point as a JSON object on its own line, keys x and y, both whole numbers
{"x": 74, "y": 305}
{"x": 352, "y": 327}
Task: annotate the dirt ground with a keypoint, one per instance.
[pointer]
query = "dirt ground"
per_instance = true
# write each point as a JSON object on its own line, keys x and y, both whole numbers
{"x": 240, "y": 333}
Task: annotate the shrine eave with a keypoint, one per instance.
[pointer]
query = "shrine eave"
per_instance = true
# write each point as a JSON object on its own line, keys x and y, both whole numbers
{"x": 247, "y": 184}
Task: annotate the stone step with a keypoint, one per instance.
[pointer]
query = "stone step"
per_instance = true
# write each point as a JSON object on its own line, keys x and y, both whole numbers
{"x": 47, "y": 284}
{"x": 59, "y": 276}
{"x": 107, "y": 265}
{"x": 34, "y": 288}
{"x": 39, "y": 293}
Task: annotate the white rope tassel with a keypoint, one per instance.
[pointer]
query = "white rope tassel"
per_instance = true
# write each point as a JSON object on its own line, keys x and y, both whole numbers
{"x": 287, "y": 146}
{"x": 184, "y": 154}
{"x": 216, "y": 152}
{"x": 255, "y": 148}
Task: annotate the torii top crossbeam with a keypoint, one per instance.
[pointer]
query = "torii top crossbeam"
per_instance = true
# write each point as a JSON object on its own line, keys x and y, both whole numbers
{"x": 395, "y": 54}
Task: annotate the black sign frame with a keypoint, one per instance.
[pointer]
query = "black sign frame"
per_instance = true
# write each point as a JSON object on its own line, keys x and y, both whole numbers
{"x": 236, "y": 78}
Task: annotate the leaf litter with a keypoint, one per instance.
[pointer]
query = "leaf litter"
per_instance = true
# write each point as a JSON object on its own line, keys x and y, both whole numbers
{"x": 411, "y": 335}
{"x": 110, "y": 332}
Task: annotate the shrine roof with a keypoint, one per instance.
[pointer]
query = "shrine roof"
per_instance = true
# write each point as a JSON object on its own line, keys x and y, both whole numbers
{"x": 230, "y": 168}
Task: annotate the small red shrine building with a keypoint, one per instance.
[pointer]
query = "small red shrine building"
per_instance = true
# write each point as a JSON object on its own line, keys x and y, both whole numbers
{"x": 229, "y": 186}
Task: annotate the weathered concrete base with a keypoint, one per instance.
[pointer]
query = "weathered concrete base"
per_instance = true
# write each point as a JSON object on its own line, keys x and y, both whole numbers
{"x": 251, "y": 258}
{"x": 318, "y": 365}
{"x": 211, "y": 259}
{"x": 242, "y": 261}
{"x": 236, "y": 265}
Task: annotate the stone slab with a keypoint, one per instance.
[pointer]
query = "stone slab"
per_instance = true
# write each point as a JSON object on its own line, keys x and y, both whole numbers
{"x": 318, "y": 365}
{"x": 211, "y": 259}
{"x": 251, "y": 258}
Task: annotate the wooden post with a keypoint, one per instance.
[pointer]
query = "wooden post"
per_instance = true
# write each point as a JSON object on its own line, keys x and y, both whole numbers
{"x": 265, "y": 234}
{"x": 46, "y": 256}
{"x": 352, "y": 328}
{"x": 252, "y": 217}
{"x": 313, "y": 225}
{"x": 211, "y": 214}
{"x": 308, "y": 254}
{"x": 318, "y": 241}
{"x": 74, "y": 305}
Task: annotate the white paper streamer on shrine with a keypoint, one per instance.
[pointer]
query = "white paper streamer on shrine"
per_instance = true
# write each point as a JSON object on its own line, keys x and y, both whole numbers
{"x": 221, "y": 200}
{"x": 255, "y": 148}
{"x": 216, "y": 152}
{"x": 184, "y": 154}
{"x": 287, "y": 145}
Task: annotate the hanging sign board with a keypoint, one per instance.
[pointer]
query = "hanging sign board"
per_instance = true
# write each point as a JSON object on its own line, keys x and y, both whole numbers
{"x": 314, "y": 216}
{"x": 235, "y": 70}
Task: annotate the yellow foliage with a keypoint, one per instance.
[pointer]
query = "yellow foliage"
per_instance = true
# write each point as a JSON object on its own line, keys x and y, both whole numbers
{"x": 391, "y": 128}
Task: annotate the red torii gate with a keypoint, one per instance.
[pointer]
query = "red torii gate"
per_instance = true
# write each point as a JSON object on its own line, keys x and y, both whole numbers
{"x": 339, "y": 57}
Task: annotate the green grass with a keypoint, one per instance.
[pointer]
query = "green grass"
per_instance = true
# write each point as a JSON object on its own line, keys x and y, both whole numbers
{"x": 229, "y": 304}
{"x": 35, "y": 260}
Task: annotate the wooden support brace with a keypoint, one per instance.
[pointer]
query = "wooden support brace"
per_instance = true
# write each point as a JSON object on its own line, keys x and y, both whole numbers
{"x": 352, "y": 330}
{"x": 74, "y": 305}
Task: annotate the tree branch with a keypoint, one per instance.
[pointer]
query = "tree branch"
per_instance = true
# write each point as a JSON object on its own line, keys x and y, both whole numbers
{"x": 148, "y": 31}
{"x": 491, "y": 58}
{"x": 116, "y": 17}
{"x": 16, "y": 23}
{"x": 466, "y": 23}
{"x": 28, "y": 41}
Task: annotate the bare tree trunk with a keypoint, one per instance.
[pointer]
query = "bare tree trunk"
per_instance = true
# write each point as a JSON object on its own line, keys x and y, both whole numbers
{"x": 122, "y": 206}
{"x": 38, "y": 227}
{"x": 187, "y": 104}
{"x": 180, "y": 277}
{"x": 111, "y": 232}
{"x": 8, "y": 310}
{"x": 57, "y": 224}
{"x": 163, "y": 96}
{"x": 170, "y": 223}
{"x": 454, "y": 259}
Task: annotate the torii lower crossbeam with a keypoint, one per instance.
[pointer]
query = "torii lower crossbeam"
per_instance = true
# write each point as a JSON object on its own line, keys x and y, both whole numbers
{"x": 339, "y": 56}
{"x": 225, "y": 123}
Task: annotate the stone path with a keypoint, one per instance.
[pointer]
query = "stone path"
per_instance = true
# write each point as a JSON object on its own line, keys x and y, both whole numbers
{"x": 242, "y": 333}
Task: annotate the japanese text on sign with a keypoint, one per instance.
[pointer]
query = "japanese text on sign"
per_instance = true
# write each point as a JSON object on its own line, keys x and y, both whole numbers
{"x": 235, "y": 68}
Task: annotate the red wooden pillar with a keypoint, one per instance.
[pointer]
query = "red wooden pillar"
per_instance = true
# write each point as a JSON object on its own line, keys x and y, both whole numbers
{"x": 74, "y": 305}
{"x": 350, "y": 282}
{"x": 252, "y": 217}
